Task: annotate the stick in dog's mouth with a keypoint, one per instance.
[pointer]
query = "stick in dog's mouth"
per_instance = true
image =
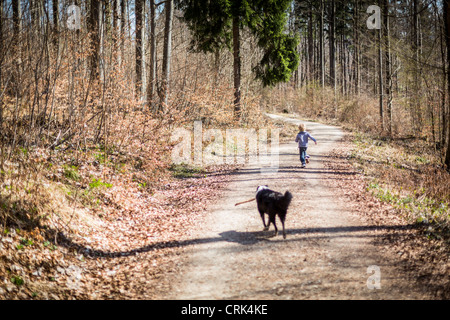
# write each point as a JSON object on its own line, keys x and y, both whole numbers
{"x": 252, "y": 199}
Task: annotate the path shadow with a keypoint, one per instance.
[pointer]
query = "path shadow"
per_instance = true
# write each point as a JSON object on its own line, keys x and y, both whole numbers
{"x": 243, "y": 238}
{"x": 289, "y": 169}
{"x": 249, "y": 238}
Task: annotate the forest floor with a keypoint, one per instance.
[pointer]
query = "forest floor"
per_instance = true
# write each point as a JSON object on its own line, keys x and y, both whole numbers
{"x": 187, "y": 239}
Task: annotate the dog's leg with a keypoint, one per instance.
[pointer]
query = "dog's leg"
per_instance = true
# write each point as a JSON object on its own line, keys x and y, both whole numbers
{"x": 272, "y": 220}
{"x": 261, "y": 212}
{"x": 282, "y": 218}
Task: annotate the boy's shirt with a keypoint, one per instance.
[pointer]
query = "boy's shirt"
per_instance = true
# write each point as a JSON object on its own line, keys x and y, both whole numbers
{"x": 302, "y": 139}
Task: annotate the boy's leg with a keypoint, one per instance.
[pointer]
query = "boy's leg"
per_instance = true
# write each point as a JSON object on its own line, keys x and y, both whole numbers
{"x": 302, "y": 155}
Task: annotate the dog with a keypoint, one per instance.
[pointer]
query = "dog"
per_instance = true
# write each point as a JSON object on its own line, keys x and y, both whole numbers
{"x": 272, "y": 203}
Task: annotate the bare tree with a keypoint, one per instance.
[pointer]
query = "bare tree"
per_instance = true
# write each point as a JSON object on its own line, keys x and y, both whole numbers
{"x": 139, "y": 28}
{"x": 388, "y": 67}
{"x": 446, "y": 12}
{"x": 311, "y": 70}
{"x": 415, "y": 48}
{"x": 122, "y": 29}
{"x": 93, "y": 28}
{"x": 16, "y": 17}
{"x": 332, "y": 44}
{"x": 165, "y": 83}
{"x": 1, "y": 73}
{"x": 321, "y": 45}
{"x": 380, "y": 76}
{"x": 55, "y": 8}
{"x": 151, "y": 87}
{"x": 237, "y": 67}
{"x": 356, "y": 47}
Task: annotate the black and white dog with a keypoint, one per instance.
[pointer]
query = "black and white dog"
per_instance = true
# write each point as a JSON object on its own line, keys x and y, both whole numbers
{"x": 272, "y": 203}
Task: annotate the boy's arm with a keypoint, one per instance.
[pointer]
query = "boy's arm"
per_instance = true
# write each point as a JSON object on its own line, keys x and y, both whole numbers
{"x": 296, "y": 138}
{"x": 312, "y": 138}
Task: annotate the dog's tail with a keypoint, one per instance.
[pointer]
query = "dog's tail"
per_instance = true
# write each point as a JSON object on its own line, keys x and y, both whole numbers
{"x": 286, "y": 200}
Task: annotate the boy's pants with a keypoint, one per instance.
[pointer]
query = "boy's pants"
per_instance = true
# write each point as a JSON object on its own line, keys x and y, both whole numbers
{"x": 303, "y": 154}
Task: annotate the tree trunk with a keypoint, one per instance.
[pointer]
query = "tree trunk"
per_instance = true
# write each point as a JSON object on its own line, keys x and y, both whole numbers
{"x": 344, "y": 65}
{"x": 321, "y": 49}
{"x": 15, "y": 44}
{"x": 216, "y": 67}
{"x": 16, "y": 17}
{"x": 115, "y": 20}
{"x": 122, "y": 30}
{"x": 380, "y": 76}
{"x": 356, "y": 47}
{"x": 152, "y": 72}
{"x": 444, "y": 117}
{"x": 167, "y": 52}
{"x": 446, "y": 12}
{"x": 415, "y": 47}
{"x": 107, "y": 14}
{"x": 388, "y": 66}
{"x": 138, "y": 48}
{"x": 310, "y": 46}
{"x": 2, "y": 144}
{"x": 102, "y": 17}
{"x": 1, "y": 74}
{"x": 237, "y": 68}
{"x": 332, "y": 43}
{"x": 55, "y": 4}
{"x": 94, "y": 39}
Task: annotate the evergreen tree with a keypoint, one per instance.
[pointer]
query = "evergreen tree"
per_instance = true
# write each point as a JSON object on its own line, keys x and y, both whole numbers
{"x": 216, "y": 23}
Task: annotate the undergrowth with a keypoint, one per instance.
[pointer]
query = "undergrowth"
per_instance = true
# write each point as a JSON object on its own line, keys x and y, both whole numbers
{"x": 407, "y": 176}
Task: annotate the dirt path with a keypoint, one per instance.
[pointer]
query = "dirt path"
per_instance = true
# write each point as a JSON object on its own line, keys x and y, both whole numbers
{"x": 326, "y": 254}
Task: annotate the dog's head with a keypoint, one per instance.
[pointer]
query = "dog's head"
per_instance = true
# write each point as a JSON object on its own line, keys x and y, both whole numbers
{"x": 261, "y": 188}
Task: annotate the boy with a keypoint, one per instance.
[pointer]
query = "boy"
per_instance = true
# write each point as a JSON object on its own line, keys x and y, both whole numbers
{"x": 302, "y": 139}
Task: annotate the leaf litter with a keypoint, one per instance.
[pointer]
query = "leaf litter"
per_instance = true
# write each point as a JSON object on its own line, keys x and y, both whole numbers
{"x": 123, "y": 248}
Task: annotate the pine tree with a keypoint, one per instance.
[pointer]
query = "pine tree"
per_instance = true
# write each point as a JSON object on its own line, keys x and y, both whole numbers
{"x": 216, "y": 24}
